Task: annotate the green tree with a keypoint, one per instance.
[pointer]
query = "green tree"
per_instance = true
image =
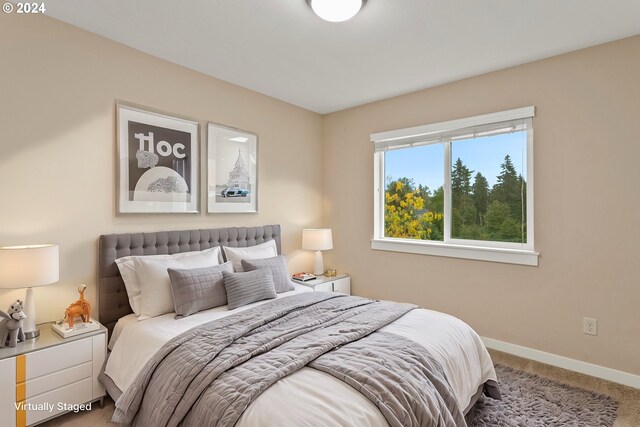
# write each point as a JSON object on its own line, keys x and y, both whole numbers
{"x": 473, "y": 232}
{"x": 523, "y": 186}
{"x": 480, "y": 197}
{"x": 497, "y": 213}
{"x": 508, "y": 189}
{"x": 467, "y": 213}
{"x": 510, "y": 231}
{"x": 460, "y": 181}
{"x": 437, "y": 200}
{"x": 462, "y": 210}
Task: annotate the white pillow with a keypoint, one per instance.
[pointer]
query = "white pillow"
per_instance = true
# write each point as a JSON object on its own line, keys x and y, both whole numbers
{"x": 155, "y": 284}
{"x": 263, "y": 250}
{"x": 128, "y": 272}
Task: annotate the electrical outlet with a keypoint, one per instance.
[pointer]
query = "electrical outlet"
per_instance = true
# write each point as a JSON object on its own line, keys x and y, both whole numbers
{"x": 590, "y": 326}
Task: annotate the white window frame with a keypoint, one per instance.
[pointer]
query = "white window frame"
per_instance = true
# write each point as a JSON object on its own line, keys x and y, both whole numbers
{"x": 506, "y": 252}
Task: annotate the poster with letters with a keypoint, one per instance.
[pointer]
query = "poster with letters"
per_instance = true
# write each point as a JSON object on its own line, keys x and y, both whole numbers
{"x": 158, "y": 162}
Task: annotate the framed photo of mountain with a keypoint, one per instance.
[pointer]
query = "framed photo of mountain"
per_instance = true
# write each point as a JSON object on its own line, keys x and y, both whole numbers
{"x": 232, "y": 170}
{"x": 158, "y": 161}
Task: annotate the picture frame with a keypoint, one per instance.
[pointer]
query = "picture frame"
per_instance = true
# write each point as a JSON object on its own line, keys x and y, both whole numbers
{"x": 232, "y": 170}
{"x": 158, "y": 161}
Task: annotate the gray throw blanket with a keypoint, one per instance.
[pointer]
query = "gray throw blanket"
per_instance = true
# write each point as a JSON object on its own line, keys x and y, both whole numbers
{"x": 211, "y": 373}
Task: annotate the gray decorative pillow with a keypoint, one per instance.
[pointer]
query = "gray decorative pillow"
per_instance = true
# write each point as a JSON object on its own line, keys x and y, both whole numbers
{"x": 248, "y": 287}
{"x": 198, "y": 289}
{"x": 278, "y": 267}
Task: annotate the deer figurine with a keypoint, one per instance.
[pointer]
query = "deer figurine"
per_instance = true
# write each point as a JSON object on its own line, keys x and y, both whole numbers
{"x": 81, "y": 308}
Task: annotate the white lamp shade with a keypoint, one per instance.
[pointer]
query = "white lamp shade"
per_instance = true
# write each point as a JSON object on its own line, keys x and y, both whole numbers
{"x": 317, "y": 239}
{"x": 28, "y": 266}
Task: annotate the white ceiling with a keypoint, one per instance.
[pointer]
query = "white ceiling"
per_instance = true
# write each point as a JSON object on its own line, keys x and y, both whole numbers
{"x": 281, "y": 49}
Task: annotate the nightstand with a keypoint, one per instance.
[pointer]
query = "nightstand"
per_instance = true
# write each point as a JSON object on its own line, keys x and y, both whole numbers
{"x": 47, "y": 376}
{"x": 340, "y": 283}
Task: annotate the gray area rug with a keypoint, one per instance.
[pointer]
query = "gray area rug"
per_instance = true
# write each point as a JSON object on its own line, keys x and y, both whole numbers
{"x": 531, "y": 401}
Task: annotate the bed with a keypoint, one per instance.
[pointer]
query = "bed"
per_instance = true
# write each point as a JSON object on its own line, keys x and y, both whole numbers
{"x": 310, "y": 394}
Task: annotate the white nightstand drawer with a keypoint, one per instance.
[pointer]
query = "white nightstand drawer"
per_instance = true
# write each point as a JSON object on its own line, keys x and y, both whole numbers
{"x": 58, "y": 379}
{"x": 324, "y": 287}
{"x": 341, "y": 283}
{"x": 60, "y": 357}
{"x": 71, "y": 394}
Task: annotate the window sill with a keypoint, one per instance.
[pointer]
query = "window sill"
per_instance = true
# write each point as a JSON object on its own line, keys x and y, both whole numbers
{"x": 509, "y": 256}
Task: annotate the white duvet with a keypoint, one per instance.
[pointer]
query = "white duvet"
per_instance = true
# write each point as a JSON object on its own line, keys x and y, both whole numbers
{"x": 308, "y": 396}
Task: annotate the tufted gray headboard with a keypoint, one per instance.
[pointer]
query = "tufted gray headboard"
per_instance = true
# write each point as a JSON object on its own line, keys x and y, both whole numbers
{"x": 113, "y": 302}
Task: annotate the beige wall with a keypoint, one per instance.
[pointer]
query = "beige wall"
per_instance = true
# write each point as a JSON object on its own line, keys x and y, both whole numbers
{"x": 57, "y": 147}
{"x": 587, "y": 151}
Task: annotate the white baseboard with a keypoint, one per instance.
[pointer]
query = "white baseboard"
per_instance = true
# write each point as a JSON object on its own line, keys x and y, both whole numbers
{"x": 597, "y": 371}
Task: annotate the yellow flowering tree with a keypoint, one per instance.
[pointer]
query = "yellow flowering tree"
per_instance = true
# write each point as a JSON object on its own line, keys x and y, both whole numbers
{"x": 406, "y": 215}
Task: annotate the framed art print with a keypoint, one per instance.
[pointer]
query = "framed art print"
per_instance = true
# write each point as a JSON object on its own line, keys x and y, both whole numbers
{"x": 232, "y": 170}
{"x": 158, "y": 162}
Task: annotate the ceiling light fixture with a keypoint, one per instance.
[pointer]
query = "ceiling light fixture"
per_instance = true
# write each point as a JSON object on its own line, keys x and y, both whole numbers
{"x": 336, "y": 10}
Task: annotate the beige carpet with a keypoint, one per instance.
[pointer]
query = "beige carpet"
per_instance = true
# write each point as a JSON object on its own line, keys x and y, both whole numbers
{"x": 628, "y": 398}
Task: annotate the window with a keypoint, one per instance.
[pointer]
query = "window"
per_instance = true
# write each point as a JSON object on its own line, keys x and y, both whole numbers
{"x": 462, "y": 188}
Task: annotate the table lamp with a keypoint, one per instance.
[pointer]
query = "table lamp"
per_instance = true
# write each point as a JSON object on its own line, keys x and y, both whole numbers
{"x": 317, "y": 239}
{"x": 28, "y": 267}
